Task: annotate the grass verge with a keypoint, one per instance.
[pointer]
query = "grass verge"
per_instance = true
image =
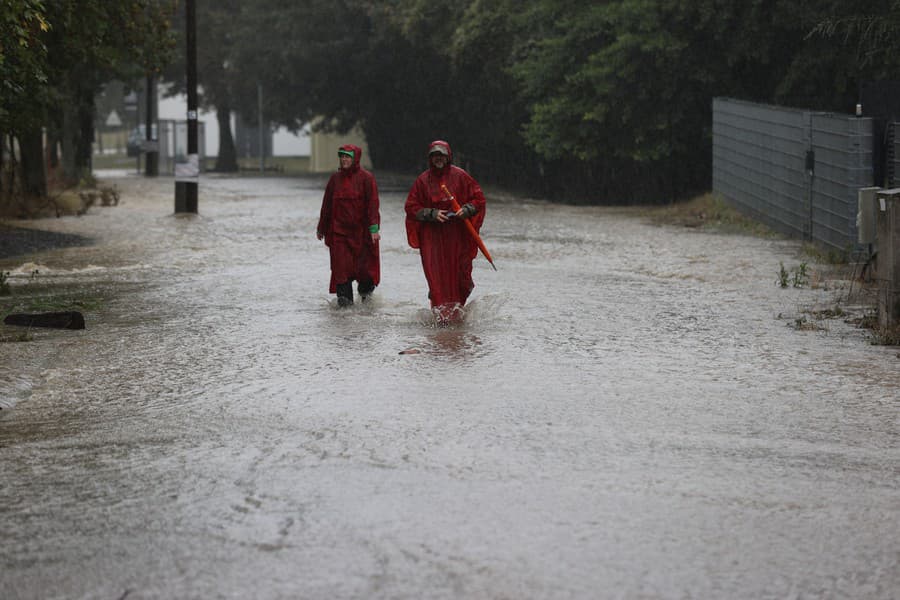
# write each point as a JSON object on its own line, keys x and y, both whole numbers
{"x": 708, "y": 212}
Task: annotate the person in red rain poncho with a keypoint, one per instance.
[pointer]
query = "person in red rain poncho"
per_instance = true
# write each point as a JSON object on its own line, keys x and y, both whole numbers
{"x": 349, "y": 223}
{"x": 445, "y": 245}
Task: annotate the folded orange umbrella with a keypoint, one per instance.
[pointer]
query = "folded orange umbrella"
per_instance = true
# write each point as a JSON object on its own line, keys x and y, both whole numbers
{"x": 455, "y": 205}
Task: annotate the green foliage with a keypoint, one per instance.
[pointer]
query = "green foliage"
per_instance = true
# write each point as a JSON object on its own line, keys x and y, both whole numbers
{"x": 603, "y": 97}
{"x": 708, "y": 211}
{"x": 633, "y": 80}
{"x": 828, "y": 255}
{"x": 797, "y": 277}
{"x": 782, "y": 276}
{"x": 800, "y": 276}
{"x": 870, "y": 36}
{"x": 62, "y": 51}
{"x": 66, "y": 44}
{"x": 23, "y": 26}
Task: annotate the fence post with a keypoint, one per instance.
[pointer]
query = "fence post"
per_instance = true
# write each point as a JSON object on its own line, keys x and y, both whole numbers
{"x": 888, "y": 259}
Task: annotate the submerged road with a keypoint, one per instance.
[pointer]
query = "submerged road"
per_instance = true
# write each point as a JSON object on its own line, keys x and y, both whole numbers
{"x": 627, "y": 412}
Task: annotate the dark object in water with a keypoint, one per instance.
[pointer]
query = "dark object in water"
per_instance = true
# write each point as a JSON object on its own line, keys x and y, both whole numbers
{"x": 70, "y": 319}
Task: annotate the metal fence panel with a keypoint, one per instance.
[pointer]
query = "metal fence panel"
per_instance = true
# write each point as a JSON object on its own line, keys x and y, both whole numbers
{"x": 758, "y": 155}
{"x": 843, "y": 152}
{"x": 797, "y": 171}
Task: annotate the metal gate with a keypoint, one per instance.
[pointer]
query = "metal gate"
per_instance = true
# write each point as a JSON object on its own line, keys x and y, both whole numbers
{"x": 797, "y": 171}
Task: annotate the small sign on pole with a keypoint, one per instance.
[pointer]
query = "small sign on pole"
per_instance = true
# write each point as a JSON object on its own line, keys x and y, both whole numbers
{"x": 113, "y": 119}
{"x": 189, "y": 170}
{"x": 131, "y": 101}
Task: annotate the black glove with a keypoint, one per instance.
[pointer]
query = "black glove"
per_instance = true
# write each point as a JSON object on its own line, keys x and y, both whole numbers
{"x": 427, "y": 214}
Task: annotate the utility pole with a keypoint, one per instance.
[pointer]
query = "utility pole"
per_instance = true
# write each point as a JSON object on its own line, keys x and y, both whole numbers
{"x": 187, "y": 174}
{"x": 262, "y": 138}
{"x": 151, "y": 145}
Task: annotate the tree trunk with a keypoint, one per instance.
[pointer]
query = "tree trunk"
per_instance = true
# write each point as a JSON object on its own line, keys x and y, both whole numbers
{"x": 54, "y": 136}
{"x": 85, "y": 147}
{"x": 34, "y": 175}
{"x": 226, "y": 161}
{"x": 11, "y": 184}
{"x": 5, "y": 175}
{"x": 68, "y": 134}
{"x": 53, "y": 140}
{"x": 77, "y": 134}
{"x": 2, "y": 164}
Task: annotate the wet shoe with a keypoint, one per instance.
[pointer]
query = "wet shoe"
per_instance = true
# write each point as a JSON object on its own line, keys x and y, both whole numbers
{"x": 344, "y": 294}
{"x": 365, "y": 289}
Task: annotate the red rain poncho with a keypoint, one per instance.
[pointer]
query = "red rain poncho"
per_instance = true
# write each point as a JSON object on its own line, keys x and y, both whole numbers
{"x": 447, "y": 249}
{"x": 350, "y": 212}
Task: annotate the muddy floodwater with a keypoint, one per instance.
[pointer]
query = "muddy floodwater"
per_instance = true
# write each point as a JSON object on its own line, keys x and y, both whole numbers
{"x": 628, "y": 411}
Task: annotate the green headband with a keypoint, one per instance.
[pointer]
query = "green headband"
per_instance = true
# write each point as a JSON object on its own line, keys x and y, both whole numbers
{"x": 346, "y": 152}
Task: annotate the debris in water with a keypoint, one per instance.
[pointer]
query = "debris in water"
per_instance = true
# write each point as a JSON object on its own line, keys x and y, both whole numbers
{"x": 69, "y": 319}
{"x": 411, "y": 351}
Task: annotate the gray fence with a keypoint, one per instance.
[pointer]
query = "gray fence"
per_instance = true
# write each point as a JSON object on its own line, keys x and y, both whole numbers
{"x": 797, "y": 171}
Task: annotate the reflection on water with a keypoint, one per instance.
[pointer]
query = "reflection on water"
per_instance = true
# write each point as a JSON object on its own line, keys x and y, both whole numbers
{"x": 621, "y": 413}
{"x": 456, "y": 344}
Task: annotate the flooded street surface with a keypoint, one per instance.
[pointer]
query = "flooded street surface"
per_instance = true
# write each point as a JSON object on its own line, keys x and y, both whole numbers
{"x": 625, "y": 414}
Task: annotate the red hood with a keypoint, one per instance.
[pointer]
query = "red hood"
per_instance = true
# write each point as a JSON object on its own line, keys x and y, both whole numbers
{"x": 357, "y": 155}
{"x": 444, "y": 145}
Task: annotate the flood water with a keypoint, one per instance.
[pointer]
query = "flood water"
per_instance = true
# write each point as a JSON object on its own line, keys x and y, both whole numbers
{"x": 626, "y": 412}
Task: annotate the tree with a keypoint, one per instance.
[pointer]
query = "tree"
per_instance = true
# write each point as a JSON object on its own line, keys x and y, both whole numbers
{"x": 867, "y": 43}
{"x": 624, "y": 87}
{"x": 22, "y": 59}
{"x": 872, "y": 31}
{"x": 66, "y": 50}
{"x": 218, "y": 27}
{"x": 603, "y": 101}
{"x": 491, "y": 111}
{"x": 92, "y": 42}
{"x": 23, "y": 73}
{"x": 381, "y": 66}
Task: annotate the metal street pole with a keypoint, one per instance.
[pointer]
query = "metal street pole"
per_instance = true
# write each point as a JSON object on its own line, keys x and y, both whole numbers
{"x": 151, "y": 161}
{"x": 262, "y": 139}
{"x": 187, "y": 173}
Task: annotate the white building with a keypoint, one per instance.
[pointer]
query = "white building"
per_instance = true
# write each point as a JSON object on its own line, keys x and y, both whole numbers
{"x": 284, "y": 142}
